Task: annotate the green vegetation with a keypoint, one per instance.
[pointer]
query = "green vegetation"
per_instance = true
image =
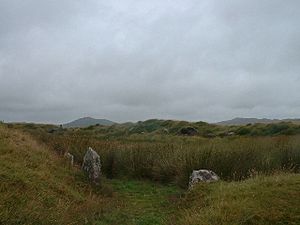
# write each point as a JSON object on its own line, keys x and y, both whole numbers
{"x": 171, "y": 127}
{"x": 260, "y": 200}
{"x": 170, "y": 159}
{"x": 147, "y": 174}
{"x": 167, "y": 128}
{"x": 145, "y": 203}
{"x": 37, "y": 188}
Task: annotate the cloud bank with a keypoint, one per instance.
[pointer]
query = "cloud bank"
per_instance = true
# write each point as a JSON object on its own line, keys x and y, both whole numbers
{"x": 133, "y": 60}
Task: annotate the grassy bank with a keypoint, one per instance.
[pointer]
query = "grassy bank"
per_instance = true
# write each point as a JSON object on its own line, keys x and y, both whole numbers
{"x": 263, "y": 200}
{"x": 36, "y": 186}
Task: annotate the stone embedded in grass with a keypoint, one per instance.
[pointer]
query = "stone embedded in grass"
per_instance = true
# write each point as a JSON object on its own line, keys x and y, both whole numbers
{"x": 202, "y": 176}
{"x": 92, "y": 165}
{"x": 189, "y": 131}
{"x": 70, "y": 157}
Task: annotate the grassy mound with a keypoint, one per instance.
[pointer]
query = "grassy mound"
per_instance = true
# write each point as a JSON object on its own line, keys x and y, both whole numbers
{"x": 37, "y": 187}
{"x": 261, "y": 200}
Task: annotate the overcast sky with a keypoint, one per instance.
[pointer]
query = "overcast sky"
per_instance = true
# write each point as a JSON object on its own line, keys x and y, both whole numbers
{"x": 133, "y": 60}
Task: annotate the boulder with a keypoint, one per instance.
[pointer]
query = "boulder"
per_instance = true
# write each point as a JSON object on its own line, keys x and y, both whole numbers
{"x": 231, "y": 133}
{"x": 202, "y": 176}
{"x": 210, "y": 135}
{"x": 165, "y": 130}
{"x": 189, "y": 131}
{"x": 92, "y": 166}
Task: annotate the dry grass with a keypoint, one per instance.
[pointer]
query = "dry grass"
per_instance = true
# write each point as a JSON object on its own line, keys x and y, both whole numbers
{"x": 260, "y": 201}
{"x": 171, "y": 160}
{"x": 36, "y": 186}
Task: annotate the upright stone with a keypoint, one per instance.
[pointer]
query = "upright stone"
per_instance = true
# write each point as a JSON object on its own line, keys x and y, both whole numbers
{"x": 92, "y": 165}
{"x": 70, "y": 157}
{"x": 202, "y": 176}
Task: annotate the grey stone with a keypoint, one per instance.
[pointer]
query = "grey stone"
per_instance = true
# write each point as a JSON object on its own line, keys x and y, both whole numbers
{"x": 165, "y": 130}
{"x": 92, "y": 166}
{"x": 202, "y": 176}
{"x": 231, "y": 133}
{"x": 70, "y": 157}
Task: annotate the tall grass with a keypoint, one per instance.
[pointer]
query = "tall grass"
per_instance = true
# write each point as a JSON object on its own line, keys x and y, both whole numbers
{"x": 262, "y": 200}
{"x": 36, "y": 186}
{"x": 170, "y": 160}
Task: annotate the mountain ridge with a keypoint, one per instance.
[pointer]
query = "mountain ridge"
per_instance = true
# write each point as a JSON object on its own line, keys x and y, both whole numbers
{"x": 245, "y": 121}
{"x": 238, "y": 121}
{"x": 88, "y": 121}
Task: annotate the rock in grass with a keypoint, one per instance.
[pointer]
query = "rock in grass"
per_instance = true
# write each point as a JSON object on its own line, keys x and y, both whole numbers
{"x": 69, "y": 157}
{"x": 202, "y": 176}
{"x": 92, "y": 166}
{"x": 189, "y": 131}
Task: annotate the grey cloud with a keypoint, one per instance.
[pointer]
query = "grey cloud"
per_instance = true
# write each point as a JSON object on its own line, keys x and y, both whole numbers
{"x": 133, "y": 60}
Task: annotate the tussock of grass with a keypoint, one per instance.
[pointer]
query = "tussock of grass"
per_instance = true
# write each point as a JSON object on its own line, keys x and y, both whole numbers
{"x": 261, "y": 200}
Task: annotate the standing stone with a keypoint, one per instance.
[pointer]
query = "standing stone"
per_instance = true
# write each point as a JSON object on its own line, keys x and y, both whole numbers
{"x": 70, "y": 157}
{"x": 202, "y": 176}
{"x": 92, "y": 165}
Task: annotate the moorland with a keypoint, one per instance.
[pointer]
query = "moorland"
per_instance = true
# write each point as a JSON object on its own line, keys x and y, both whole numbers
{"x": 146, "y": 168}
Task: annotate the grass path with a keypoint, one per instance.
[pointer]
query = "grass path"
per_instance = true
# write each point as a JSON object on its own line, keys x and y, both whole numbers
{"x": 142, "y": 203}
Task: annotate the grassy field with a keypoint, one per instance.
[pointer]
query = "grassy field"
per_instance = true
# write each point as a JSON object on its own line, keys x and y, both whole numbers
{"x": 264, "y": 200}
{"x": 38, "y": 187}
{"x": 171, "y": 159}
{"x": 146, "y": 178}
{"x": 144, "y": 203}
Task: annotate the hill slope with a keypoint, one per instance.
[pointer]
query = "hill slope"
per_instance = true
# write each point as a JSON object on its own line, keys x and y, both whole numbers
{"x": 244, "y": 121}
{"x": 179, "y": 128}
{"x": 37, "y": 187}
{"x": 88, "y": 121}
{"x": 262, "y": 200}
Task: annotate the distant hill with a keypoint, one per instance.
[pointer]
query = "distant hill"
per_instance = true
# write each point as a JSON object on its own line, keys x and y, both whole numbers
{"x": 244, "y": 121}
{"x": 88, "y": 121}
